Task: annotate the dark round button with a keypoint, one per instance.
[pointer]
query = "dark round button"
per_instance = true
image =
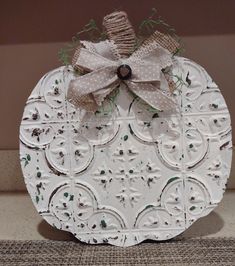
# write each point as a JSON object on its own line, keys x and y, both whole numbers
{"x": 124, "y": 72}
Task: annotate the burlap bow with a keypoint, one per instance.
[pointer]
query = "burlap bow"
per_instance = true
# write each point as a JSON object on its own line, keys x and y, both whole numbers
{"x": 111, "y": 62}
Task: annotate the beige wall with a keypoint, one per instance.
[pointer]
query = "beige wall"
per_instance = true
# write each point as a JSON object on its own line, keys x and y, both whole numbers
{"x": 32, "y": 32}
{"x": 22, "y": 65}
{"x": 19, "y": 73}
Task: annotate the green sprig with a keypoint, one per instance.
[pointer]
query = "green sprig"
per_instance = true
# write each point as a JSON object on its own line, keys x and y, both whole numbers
{"x": 179, "y": 81}
{"x": 93, "y": 33}
{"x": 151, "y": 24}
{"x": 90, "y": 31}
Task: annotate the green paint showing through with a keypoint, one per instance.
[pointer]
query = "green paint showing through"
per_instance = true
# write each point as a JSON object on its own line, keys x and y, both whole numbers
{"x": 172, "y": 179}
{"x": 125, "y": 137}
{"x": 26, "y": 159}
{"x": 103, "y": 224}
{"x": 37, "y": 199}
{"x": 71, "y": 198}
{"x": 39, "y": 174}
{"x": 149, "y": 206}
{"x": 192, "y": 208}
{"x": 155, "y": 115}
{"x": 214, "y": 105}
{"x": 131, "y": 131}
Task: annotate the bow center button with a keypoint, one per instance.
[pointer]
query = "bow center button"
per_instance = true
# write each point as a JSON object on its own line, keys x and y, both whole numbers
{"x": 124, "y": 72}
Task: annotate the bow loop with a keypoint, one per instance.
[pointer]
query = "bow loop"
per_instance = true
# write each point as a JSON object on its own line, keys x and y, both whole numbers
{"x": 140, "y": 71}
{"x": 154, "y": 97}
{"x": 90, "y": 61}
{"x": 94, "y": 81}
{"x": 145, "y": 72}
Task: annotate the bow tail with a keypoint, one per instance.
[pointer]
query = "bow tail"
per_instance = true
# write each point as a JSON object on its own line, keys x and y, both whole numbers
{"x": 152, "y": 94}
{"x": 100, "y": 95}
{"x": 88, "y": 91}
{"x": 86, "y": 102}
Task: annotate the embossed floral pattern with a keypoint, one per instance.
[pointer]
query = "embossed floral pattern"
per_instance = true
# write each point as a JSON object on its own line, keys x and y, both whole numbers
{"x": 130, "y": 173}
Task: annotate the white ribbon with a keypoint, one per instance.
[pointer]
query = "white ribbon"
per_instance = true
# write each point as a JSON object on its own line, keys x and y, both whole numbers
{"x": 147, "y": 80}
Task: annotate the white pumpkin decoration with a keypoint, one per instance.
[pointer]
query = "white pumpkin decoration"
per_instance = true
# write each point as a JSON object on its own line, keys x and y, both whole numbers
{"x": 125, "y": 173}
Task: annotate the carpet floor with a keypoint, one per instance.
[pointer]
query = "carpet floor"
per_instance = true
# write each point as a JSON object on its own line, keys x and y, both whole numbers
{"x": 182, "y": 252}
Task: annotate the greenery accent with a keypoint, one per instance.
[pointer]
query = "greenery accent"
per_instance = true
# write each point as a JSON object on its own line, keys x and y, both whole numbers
{"x": 90, "y": 31}
{"x": 179, "y": 81}
{"x": 93, "y": 33}
{"x": 153, "y": 23}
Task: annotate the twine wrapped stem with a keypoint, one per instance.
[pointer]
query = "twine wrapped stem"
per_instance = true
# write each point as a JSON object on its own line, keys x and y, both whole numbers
{"x": 120, "y": 31}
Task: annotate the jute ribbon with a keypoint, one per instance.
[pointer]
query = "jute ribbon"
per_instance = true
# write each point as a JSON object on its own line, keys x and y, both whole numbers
{"x": 108, "y": 63}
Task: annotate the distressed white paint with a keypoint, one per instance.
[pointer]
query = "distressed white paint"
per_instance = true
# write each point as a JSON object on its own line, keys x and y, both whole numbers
{"x": 126, "y": 173}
